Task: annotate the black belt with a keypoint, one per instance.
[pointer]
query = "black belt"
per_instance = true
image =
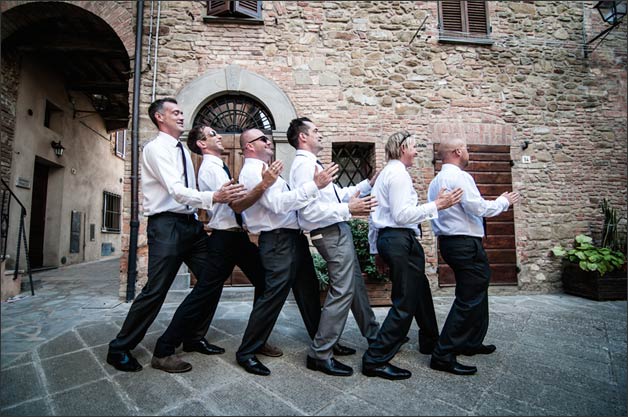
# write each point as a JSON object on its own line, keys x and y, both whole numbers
{"x": 458, "y": 237}
{"x": 181, "y": 216}
{"x": 284, "y": 230}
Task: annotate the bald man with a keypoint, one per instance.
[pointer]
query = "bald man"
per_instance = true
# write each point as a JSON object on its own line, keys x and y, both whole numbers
{"x": 459, "y": 230}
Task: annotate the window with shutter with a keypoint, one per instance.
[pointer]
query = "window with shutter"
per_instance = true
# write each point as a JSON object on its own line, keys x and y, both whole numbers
{"x": 464, "y": 21}
{"x": 223, "y": 11}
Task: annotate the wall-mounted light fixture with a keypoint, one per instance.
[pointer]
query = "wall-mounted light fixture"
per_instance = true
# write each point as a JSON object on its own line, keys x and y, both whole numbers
{"x": 525, "y": 144}
{"x": 58, "y": 147}
{"x": 612, "y": 12}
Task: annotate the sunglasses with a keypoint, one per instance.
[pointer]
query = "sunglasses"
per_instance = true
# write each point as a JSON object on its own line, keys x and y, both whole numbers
{"x": 262, "y": 138}
{"x": 404, "y": 139}
{"x": 211, "y": 134}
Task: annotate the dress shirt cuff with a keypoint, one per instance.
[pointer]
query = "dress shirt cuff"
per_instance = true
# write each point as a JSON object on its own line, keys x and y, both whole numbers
{"x": 504, "y": 203}
{"x": 365, "y": 187}
{"x": 432, "y": 211}
{"x": 344, "y": 211}
{"x": 207, "y": 198}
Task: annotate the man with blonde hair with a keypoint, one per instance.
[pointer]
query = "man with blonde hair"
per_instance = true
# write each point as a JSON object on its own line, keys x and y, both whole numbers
{"x": 395, "y": 233}
{"x": 460, "y": 230}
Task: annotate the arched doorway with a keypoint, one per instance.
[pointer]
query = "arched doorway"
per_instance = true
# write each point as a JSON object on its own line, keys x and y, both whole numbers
{"x": 229, "y": 115}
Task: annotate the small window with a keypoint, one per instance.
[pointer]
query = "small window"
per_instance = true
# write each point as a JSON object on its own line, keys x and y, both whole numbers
{"x": 118, "y": 137}
{"x": 235, "y": 11}
{"x": 53, "y": 118}
{"x": 111, "y": 212}
{"x": 464, "y": 21}
{"x": 355, "y": 160}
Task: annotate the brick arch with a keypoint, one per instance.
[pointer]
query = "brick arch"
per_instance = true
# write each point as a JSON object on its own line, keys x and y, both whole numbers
{"x": 120, "y": 19}
{"x": 478, "y": 127}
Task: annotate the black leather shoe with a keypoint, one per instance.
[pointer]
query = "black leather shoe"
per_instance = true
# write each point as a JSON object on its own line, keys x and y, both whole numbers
{"x": 340, "y": 350}
{"x": 452, "y": 367}
{"x": 329, "y": 366}
{"x": 204, "y": 347}
{"x": 254, "y": 366}
{"x": 386, "y": 371}
{"x": 123, "y": 361}
{"x": 481, "y": 350}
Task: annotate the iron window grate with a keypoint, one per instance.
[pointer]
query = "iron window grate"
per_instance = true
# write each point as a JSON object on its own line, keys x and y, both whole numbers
{"x": 355, "y": 161}
{"x": 234, "y": 114}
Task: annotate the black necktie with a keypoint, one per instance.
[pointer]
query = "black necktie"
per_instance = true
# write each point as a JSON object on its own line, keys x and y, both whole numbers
{"x": 185, "y": 167}
{"x": 238, "y": 216}
{"x": 332, "y": 184}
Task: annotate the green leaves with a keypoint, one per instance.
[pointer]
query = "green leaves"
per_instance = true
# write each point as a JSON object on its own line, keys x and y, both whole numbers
{"x": 590, "y": 257}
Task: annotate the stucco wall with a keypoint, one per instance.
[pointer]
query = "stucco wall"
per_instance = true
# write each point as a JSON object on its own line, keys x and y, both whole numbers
{"x": 76, "y": 180}
{"x": 350, "y": 66}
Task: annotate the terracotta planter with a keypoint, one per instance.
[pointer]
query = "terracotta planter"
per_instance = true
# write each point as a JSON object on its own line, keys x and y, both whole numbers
{"x": 378, "y": 292}
{"x": 612, "y": 286}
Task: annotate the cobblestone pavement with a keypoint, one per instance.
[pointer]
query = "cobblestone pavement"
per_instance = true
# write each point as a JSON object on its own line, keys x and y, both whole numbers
{"x": 556, "y": 355}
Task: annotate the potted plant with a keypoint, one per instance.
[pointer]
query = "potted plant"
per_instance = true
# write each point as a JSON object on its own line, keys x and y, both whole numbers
{"x": 378, "y": 285}
{"x": 592, "y": 271}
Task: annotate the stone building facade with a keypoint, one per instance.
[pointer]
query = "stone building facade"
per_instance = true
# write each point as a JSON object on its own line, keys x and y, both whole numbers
{"x": 364, "y": 70}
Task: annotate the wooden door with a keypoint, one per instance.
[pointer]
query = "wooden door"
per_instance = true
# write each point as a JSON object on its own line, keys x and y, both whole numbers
{"x": 490, "y": 166}
{"x": 38, "y": 216}
{"x": 232, "y": 156}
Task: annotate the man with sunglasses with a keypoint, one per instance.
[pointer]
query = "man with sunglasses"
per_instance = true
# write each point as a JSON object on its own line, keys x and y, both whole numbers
{"x": 229, "y": 243}
{"x": 283, "y": 248}
{"x": 174, "y": 237}
{"x": 395, "y": 232}
{"x": 326, "y": 219}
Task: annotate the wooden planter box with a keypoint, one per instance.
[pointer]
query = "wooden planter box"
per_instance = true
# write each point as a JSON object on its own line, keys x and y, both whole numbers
{"x": 378, "y": 292}
{"x": 612, "y": 286}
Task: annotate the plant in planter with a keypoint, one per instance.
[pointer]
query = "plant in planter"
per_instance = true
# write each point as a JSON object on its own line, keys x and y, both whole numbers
{"x": 378, "y": 285}
{"x": 596, "y": 272}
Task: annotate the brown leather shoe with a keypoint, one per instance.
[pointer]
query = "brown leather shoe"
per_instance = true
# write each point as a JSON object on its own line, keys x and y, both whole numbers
{"x": 172, "y": 364}
{"x": 270, "y": 350}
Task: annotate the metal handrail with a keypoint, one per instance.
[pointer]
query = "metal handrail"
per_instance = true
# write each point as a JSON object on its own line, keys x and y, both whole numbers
{"x": 21, "y": 233}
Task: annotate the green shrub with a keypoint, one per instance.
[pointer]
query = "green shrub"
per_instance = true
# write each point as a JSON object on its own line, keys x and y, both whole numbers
{"x": 360, "y": 232}
{"x": 590, "y": 257}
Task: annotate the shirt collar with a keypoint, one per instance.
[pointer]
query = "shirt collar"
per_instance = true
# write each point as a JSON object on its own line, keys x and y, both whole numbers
{"x": 255, "y": 161}
{"x": 450, "y": 167}
{"x": 171, "y": 140}
{"x": 307, "y": 154}
{"x": 213, "y": 159}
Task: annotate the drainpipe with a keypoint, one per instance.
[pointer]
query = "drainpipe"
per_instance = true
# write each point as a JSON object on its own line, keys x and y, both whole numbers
{"x": 135, "y": 223}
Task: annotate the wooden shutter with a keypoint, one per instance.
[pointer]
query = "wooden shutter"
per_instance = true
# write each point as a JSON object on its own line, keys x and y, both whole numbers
{"x": 476, "y": 16}
{"x": 451, "y": 15}
{"x": 218, "y": 8}
{"x": 249, "y": 8}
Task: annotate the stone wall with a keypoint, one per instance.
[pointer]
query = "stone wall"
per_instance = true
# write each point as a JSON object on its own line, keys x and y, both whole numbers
{"x": 352, "y": 68}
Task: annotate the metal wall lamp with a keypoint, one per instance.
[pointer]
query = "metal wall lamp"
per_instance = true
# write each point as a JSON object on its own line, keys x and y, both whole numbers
{"x": 58, "y": 148}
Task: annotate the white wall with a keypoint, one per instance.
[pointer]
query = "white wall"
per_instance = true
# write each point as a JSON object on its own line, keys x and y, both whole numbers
{"x": 77, "y": 179}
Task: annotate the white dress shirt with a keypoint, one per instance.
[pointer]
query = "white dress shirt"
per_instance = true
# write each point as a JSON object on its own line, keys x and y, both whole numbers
{"x": 276, "y": 208}
{"x": 397, "y": 203}
{"x": 163, "y": 184}
{"x": 327, "y": 209}
{"x": 464, "y": 218}
{"x": 212, "y": 176}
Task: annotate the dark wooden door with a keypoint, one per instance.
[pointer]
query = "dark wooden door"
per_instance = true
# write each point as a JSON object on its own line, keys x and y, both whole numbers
{"x": 38, "y": 216}
{"x": 490, "y": 166}
{"x": 232, "y": 156}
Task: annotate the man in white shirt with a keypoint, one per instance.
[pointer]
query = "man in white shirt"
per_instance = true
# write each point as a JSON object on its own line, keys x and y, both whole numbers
{"x": 326, "y": 219}
{"x": 395, "y": 224}
{"x": 229, "y": 243}
{"x": 284, "y": 250}
{"x": 460, "y": 230}
{"x": 174, "y": 236}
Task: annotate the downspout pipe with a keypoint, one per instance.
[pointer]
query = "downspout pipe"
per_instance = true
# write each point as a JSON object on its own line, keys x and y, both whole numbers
{"x": 135, "y": 223}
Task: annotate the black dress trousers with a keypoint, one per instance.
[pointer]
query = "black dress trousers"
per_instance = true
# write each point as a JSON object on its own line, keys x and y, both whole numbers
{"x": 172, "y": 240}
{"x": 411, "y": 296}
{"x": 467, "y": 321}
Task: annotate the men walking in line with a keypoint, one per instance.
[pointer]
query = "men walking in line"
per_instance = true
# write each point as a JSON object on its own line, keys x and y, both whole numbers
{"x": 326, "y": 219}
{"x": 284, "y": 250}
{"x": 395, "y": 225}
{"x": 229, "y": 243}
{"x": 460, "y": 230}
{"x": 175, "y": 236}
